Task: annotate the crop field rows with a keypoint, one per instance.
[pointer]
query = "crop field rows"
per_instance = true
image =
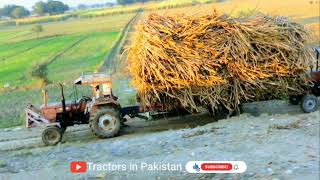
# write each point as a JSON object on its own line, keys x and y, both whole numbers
{"x": 63, "y": 48}
{"x": 77, "y": 59}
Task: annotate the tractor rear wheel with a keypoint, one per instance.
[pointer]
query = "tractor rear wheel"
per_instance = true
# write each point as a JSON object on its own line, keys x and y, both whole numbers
{"x": 51, "y": 136}
{"x": 309, "y": 103}
{"x": 105, "y": 122}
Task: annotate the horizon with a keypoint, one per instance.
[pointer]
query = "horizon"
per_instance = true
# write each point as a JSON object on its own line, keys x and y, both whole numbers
{"x": 72, "y": 3}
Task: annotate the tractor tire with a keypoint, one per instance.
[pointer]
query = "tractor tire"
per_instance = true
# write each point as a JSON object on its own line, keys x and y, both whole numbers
{"x": 309, "y": 103}
{"x": 105, "y": 122}
{"x": 52, "y": 136}
{"x": 295, "y": 100}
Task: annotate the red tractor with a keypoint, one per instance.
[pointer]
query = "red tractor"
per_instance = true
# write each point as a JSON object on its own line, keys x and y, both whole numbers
{"x": 101, "y": 111}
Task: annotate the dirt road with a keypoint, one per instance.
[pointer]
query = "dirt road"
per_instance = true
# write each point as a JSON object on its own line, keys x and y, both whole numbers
{"x": 284, "y": 145}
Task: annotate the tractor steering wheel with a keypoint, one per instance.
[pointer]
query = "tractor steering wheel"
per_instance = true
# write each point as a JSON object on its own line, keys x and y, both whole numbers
{"x": 86, "y": 98}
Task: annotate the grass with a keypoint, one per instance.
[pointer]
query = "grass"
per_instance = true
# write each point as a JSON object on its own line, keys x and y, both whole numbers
{"x": 85, "y": 56}
{"x": 75, "y": 26}
{"x": 21, "y": 51}
{"x": 16, "y": 70}
{"x": 6, "y": 36}
{"x": 8, "y": 51}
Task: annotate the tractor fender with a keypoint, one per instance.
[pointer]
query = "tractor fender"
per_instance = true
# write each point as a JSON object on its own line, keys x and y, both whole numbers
{"x": 105, "y": 102}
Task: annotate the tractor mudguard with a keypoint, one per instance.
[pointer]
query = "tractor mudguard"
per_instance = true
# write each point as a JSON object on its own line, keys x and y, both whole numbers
{"x": 108, "y": 101}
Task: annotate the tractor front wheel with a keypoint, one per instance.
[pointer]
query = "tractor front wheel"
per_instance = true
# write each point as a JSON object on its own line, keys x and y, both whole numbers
{"x": 52, "y": 136}
{"x": 105, "y": 122}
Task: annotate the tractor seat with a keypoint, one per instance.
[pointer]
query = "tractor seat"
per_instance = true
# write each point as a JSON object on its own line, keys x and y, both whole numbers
{"x": 81, "y": 105}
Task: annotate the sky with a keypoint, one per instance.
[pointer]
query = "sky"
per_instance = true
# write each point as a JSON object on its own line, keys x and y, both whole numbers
{"x": 29, "y": 3}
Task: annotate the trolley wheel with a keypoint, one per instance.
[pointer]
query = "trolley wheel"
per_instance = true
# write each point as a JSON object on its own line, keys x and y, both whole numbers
{"x": 309, "y": 103}
{"x": 52, "y": 136}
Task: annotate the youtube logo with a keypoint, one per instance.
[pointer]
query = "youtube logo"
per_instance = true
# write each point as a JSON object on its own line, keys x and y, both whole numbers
{"x": 78, "y": 167}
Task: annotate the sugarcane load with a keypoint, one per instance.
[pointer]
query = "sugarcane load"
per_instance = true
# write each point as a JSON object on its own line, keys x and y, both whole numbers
{"x": 218, "y": 61}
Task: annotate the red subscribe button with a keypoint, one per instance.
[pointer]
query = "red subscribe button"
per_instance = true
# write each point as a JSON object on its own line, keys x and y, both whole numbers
{"x": 216, "y": 166}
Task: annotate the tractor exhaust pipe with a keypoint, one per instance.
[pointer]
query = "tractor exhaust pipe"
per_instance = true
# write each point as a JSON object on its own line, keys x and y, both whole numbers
{"x": 63, "y": 100}
{"x": 45, "y": 97}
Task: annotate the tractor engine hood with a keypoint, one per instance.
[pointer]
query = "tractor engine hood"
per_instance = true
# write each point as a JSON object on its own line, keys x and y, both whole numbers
{"x": 57, "y": 105}
{"x": 51, "y": 110}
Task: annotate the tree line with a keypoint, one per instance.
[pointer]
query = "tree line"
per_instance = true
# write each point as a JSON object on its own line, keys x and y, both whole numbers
{"x": 51, "y": 7}
{"x": 14, "y": 11}
{"x": 40, "y": 8}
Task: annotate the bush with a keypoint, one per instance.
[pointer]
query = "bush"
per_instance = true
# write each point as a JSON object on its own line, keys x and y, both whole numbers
{"x": 37, "y": 28}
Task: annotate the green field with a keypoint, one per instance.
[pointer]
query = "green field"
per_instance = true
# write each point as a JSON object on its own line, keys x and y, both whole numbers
{"x": 85, "y": 56}
{"x": 8, "y": 51}
{"x": 17, "y": 70}
{"x": 75, "y": 26}
{"x": 63, "y": 49}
